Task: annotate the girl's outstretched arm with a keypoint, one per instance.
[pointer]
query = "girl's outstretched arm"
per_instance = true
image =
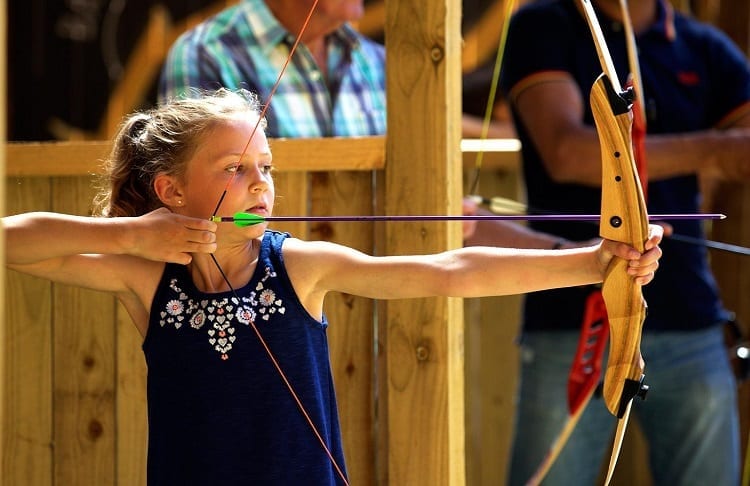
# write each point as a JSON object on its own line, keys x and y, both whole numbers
{"x": 159, "y": 235}
{"x": 99, "y": 253}
{"x": 465, "y": 272}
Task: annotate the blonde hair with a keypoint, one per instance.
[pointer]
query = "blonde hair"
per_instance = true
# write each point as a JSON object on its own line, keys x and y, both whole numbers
{"x": 161, "y": 141}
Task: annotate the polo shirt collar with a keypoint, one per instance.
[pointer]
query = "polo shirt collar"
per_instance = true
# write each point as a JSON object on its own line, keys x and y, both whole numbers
{"x": 663, "y": 26}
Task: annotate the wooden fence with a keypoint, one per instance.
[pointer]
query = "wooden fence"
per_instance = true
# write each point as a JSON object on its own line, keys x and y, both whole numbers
{"x": 76, "y": 376}
{"x": 74, "y": 382}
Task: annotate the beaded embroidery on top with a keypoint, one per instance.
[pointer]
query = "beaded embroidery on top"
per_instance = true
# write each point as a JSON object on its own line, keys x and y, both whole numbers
{"x": 222, "y": 313}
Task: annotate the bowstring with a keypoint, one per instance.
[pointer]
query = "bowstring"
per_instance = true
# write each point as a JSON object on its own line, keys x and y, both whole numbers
{"x": 262, "y": 341}
{"x": 639, "y": 130}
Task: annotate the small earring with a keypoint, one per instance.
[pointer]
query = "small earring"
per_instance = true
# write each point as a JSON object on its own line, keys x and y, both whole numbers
{"x": 179, "y": 202}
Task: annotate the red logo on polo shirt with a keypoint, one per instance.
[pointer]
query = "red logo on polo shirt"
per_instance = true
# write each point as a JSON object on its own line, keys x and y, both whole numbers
{"x": 688, "y": 78}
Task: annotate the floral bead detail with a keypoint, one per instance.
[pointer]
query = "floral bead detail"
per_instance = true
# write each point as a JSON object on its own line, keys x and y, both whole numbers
{"x": 174, "y": 307}
{"x": 245, "y": 315}
{"x": 198, "y": 319}
{"x": 218, "y": 316}
{"x": 266, "y": 299}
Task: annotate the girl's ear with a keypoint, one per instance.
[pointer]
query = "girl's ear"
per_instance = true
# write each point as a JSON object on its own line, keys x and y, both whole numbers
{"x": 168, "y": 190}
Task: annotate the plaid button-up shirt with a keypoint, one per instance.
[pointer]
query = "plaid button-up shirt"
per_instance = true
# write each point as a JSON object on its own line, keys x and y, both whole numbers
{"x": 245, "y": 47}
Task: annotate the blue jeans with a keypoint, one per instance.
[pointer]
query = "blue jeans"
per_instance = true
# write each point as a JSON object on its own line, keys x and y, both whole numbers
{"x": 689, "y": 417}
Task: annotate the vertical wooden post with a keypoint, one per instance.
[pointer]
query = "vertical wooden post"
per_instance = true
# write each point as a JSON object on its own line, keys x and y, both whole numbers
{"x": 3, "y": 136}
{"x": 423, "y": 339}
{"x": 733, "y": 271}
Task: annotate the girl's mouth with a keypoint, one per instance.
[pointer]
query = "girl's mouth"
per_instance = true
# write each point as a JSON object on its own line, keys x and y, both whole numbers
{"x": 260, "y": 210}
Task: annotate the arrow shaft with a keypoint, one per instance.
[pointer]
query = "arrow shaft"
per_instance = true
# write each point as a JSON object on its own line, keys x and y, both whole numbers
{"x": 484, "y": 217}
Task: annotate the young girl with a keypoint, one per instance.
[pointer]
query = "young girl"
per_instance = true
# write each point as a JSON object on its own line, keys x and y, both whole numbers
{"x": 219, "y": 412}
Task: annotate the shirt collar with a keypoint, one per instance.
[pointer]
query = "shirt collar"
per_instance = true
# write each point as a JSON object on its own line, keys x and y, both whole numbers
{"x": 264, "y": 27}
{"x": 663, "y": 26}
{"x": 269, "y": 33}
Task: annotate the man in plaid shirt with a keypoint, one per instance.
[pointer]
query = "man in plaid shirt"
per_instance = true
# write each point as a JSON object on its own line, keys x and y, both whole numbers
{"x": 334, "y": 84}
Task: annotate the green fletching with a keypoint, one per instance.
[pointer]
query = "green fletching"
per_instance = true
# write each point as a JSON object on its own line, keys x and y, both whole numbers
{"x": 247, "y": 219}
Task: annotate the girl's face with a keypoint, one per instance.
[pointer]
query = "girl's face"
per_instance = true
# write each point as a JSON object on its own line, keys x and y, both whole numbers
{"x": 218, "y": 161}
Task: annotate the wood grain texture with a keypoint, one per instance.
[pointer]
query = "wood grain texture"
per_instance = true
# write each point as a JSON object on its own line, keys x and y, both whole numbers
{"x": 27, "y": 352}
{"x": 83, "y": 366}
{"x": 424, "y": 337}
{"x": 84, "y": 158}
{"x": 351, "y": 318}
{"x": 131, "y": 417}
{"x": 733, "y": 271}
{"x": 492, "y": 361}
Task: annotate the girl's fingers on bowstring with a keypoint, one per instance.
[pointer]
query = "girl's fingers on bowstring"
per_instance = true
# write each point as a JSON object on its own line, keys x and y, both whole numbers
{"x": 165, "y": 236}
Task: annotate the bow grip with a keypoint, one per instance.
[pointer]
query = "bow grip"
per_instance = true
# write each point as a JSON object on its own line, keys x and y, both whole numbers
{"x": 624, "y": 219}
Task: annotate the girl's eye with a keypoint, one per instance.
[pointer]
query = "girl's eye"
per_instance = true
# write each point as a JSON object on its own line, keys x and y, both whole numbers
{"x": 235, "y": 168}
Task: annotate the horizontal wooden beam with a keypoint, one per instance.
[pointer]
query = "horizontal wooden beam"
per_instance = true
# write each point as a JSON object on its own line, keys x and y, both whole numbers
{"x": 49, "y": 159}
{"x": 45, "y": 159}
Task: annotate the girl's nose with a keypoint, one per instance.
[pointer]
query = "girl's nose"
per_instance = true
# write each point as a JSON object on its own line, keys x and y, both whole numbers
{"x": 259, "y": 181}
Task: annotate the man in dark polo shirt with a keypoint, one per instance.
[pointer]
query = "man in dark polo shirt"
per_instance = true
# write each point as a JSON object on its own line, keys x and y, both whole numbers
{"x": 697, "y": 100}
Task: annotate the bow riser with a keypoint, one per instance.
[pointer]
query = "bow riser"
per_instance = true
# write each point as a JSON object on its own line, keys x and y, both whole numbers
{"x": 624, "y": 219}
{"x": 622, "y": 194}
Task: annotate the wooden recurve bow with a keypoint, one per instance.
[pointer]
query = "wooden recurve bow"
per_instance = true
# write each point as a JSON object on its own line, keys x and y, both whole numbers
{"x": 623, "y": 218}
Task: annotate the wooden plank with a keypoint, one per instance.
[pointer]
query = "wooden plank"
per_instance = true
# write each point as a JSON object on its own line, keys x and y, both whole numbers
{"x": 292, "y": 199}
{"x": 84, "y": 362}
{"x": 503, "y": 155}
{"x": 733, "y": 276}
{"x": 492, "y": 327}
{"x": 733, "y": 271}
{"x": 45, "y": 159}
{"x": 130, "y": 396}
{"x": 309, "y": 154}
{"x": 424, "y": 337}
{"x": 382, "y": 420}
{"x": 4, "y": 424}
{"x": 351, "y": 322}
{"x": 27, "y": 350}
{"x": 54, "y": 158}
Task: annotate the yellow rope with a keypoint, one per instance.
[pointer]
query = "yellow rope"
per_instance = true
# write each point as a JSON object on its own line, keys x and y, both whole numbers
{"x": 509, "y": 7}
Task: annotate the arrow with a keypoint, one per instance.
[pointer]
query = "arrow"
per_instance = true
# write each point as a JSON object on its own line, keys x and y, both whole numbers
{"x": 501, "y": 205}
{"x": 249, "y": 219}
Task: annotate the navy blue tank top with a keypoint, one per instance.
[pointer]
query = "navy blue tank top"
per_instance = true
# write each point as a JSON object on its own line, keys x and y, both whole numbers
{"x": 218, "y": 411}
